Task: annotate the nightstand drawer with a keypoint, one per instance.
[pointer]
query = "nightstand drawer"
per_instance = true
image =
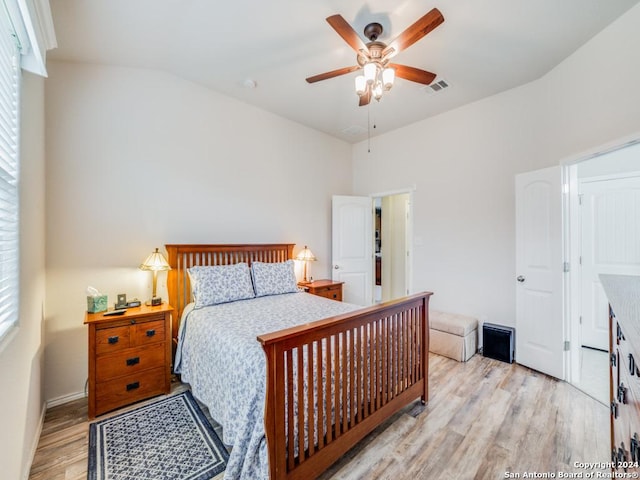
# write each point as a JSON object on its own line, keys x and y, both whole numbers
{"x": 324, "y": 288}
{"x": 333, "y": 292}
{"x": 129, "y": 389}
{"x": 148, "y": 332}
{"x": 129, "y": 362}
{"x": 112, "y": 339}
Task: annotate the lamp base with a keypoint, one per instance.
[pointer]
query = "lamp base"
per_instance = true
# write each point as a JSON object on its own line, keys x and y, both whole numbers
{"x": 154, "y": 302}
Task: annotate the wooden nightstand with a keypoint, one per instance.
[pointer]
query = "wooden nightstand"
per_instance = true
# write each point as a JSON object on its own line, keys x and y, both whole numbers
{"x": 129, "y": 357}
{"x": 324, "y": 288}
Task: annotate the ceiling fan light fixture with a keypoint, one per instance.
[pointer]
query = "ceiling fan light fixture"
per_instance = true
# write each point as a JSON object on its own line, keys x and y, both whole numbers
{"x": 388, "y": 77}
{"x": 370, "y": 72}
{"x": 373, "y": 57}
{"x": 361, "y": 85}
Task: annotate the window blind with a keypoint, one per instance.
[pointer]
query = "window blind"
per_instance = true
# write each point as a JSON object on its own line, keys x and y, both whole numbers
{"x": 9, "y": 173}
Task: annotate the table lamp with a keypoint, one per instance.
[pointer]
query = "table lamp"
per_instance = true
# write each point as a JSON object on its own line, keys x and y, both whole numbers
{"x": 156, "y": 263}
{"x": 306, "y": 256}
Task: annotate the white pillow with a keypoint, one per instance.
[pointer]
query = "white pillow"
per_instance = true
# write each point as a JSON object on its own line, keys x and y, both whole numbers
{"x": 220, "y": 284}
{"x": 274, "y": 278}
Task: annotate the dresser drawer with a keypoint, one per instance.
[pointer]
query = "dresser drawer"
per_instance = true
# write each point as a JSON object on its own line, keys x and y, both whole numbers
{"x": 148, "y": 332}
{"x": 130, "y": 361}
{"x": 125, "y": 390}
{"x": 627, "y": 424}
{"x": 114, "y": 339}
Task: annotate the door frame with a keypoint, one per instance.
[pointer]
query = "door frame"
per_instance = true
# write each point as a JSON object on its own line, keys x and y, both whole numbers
{"x": 408, "y": 229}
{"x": 572, "y": 247}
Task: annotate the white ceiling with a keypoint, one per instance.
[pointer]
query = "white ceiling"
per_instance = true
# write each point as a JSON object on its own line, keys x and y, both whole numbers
{"x": 482, "y": 48}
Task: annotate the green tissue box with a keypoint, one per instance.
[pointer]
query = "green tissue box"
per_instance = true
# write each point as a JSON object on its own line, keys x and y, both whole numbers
{"x": 97, "y": 304}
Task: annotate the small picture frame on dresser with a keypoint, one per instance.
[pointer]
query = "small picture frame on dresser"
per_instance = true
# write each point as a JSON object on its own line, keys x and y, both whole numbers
{"x": 122, "y": 301}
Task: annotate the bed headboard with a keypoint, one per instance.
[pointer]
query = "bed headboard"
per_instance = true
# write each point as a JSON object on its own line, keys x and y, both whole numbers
{"x": 181, "y": 257}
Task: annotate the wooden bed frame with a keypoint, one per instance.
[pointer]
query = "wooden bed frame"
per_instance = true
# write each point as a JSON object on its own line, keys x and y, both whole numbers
{"x": 365, "y": 366}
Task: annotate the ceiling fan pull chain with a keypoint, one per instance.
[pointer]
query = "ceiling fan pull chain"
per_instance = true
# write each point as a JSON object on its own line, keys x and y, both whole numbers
{"x": 369, "y": 127}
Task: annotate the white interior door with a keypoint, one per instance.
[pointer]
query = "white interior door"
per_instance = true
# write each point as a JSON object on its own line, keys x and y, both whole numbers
{"x": 352, "y": 247}
{"x": 539, "y": 271}
{"x": 608, "y": 205}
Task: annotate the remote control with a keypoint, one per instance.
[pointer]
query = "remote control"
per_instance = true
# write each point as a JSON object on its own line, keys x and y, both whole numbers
{"x": 121, "y": 311}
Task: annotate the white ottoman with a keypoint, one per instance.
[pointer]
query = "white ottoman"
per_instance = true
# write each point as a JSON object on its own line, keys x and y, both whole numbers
{"x": 454, "y": 336}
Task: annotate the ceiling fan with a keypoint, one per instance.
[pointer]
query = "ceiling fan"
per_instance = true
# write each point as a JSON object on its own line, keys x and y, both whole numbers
{"x": 374, "y": 58}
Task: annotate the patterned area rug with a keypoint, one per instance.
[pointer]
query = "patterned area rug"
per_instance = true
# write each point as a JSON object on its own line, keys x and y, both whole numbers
{"x": 170, "y": 439}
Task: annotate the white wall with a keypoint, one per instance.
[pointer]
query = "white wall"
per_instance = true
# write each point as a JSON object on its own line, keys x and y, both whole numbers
{"x": 462, "y": 164}
{"x": 21, "y": 401}
{"x": 137, "y": 159}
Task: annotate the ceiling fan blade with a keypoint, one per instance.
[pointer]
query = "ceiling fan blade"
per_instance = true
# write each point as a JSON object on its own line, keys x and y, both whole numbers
{"x": 348, "y": 34}
{"x": 333, "y": 73}
{"x": 414, "y": 33}
{"x": 413, "y": 74}
{"x": 365, "y": 98}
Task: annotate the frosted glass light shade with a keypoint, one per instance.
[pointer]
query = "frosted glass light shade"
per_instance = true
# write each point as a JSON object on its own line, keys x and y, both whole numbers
{"x": 370, "y": 71}
{"x": 377, "y": 91}
{"x": 361, "y": 85}
{"x": 388, "y": 77}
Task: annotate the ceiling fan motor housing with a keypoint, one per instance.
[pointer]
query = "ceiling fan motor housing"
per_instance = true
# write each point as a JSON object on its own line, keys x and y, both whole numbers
{"x": 372, "y": 31}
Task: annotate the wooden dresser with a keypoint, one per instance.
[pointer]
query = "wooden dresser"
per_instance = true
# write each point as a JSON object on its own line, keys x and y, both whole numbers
{"x": 623, "y": 293}
{"x": 324, "y": 288}
{"x": 129, "y": 357}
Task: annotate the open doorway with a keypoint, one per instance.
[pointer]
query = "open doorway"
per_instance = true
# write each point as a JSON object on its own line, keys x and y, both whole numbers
{"x": 392, "y": 248}
{"x": 604, "y": 231}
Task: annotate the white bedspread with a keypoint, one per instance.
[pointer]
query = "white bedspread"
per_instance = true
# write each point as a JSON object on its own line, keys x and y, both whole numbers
{"x": 219, "y": 356}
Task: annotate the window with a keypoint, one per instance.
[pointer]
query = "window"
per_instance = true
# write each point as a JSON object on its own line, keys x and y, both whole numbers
{"x": 9, "y": 172}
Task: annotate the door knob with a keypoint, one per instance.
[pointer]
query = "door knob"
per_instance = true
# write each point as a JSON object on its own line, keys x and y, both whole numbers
{"x": 520, "y": 278}
{"x": 336, "y": 267}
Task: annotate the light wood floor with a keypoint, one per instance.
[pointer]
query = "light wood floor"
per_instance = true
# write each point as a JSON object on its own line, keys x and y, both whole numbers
{"x": 484, "y": 418}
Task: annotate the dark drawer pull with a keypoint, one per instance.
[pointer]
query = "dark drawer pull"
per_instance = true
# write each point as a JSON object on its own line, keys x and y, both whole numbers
{"x": 151, "y": 333}
{"x": 613, "y": 360}
{"x": 113, "y": 340}
{"x": 133, "y": 361}
{"x": 622, "y": 456}
{"x": 632, "y": 364}
{"x": 619, "y": 334}
{"x": 614, "y": 409}
{"x": 622, "y": 393}
{"x": 335, "y": 295}
{"x": 133, "y": 386}
{"x": 635, "y": 446}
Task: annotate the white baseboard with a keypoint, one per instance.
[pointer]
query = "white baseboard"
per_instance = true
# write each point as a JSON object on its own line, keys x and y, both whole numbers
{"x": 34, "y": 445}
{"x": 54, "y": 402}
{"x": 36, "y": 439}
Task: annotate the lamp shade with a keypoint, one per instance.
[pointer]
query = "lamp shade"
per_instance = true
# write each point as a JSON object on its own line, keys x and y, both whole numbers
{"x": 306, "y": 255}
{"x": 155, "y": 262}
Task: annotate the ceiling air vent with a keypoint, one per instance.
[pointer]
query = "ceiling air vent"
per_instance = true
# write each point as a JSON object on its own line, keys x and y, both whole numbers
{"x": 437, "y": 86}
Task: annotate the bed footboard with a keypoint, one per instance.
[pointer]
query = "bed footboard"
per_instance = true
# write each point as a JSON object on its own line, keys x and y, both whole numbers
{"x": 331, "y": 382}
